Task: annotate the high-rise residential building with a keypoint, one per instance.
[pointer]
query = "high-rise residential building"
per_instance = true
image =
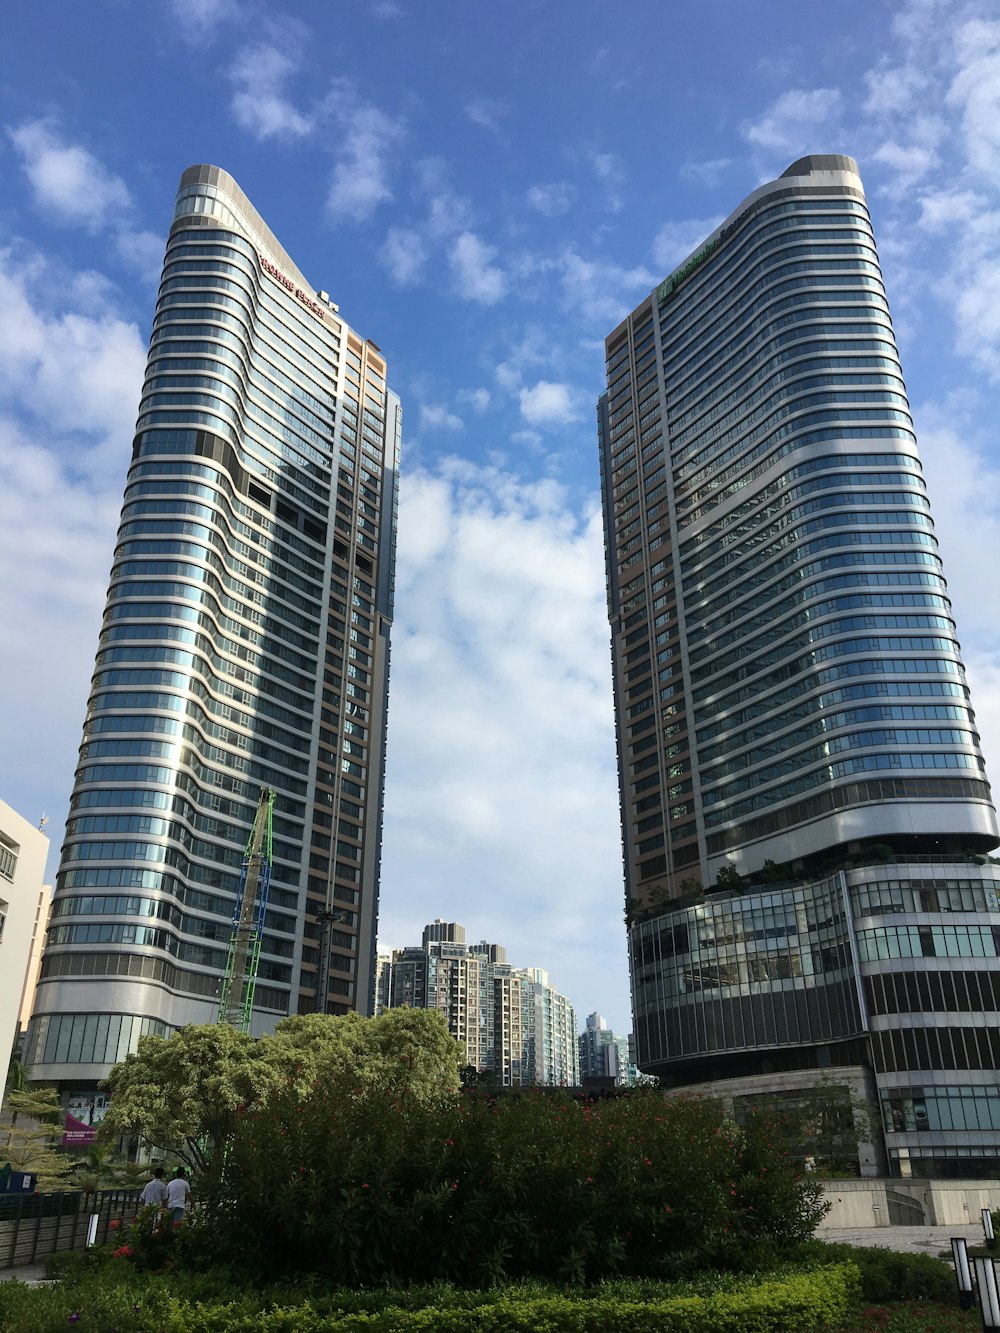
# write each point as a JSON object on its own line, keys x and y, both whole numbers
{"x": 24, "y": 850}
{"x": 510, "y": 1022}
{"x": 548, "y": 1031}
{"x": 603, "y": 1054}
{"x": 245, "y": 644}
{"x": 805, "y": 808}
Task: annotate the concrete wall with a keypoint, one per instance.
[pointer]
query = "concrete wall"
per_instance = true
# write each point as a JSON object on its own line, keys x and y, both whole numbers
{"x": 884, "y": 1202}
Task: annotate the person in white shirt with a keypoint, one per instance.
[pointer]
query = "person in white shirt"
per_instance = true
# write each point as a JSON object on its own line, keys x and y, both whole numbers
{"x": 155, "y": 1193}
{"x": 177, "y": 1195}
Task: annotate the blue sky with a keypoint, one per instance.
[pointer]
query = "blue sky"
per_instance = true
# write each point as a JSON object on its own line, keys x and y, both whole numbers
{"x": 486, "y": 190}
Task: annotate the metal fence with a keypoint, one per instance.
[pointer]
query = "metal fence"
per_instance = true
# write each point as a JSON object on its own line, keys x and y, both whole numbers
{"x": 33, "y": 1226}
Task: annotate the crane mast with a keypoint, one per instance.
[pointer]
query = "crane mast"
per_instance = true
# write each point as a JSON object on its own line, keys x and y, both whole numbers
{"x": 243, "y": 960}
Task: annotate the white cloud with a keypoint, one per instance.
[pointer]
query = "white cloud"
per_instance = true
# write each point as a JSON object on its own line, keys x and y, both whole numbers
{"x": 477, "y": 399}
{"x": 910, "y": 162}
{"x": 676, "y": 240}
{"x": 940, "y": 210}
{"x": 404, "y": 254}
{"x": 601, "y": 290}
{"x": 487, "y": 113}
{"x": 71, "y": 370}
{"x": 69, "y": 384}
{"x": 608, "y": 169}
{"x": 501, "y": 805}
{"x": 791, "y": 123}
{"x": 141, "y": 251}
{"x": 259, "y": 74}
{"x": 198, "y": 19}
{"x": 533, "y": 349}
{"x": 706, "y": 173}
{"x": 975, "y": 91}
{"x": 548, "y": 404}
{"x": 367, "y": 143}
{"x": 67, "y": 181}
{"x": 476, "y": 276}
{"x": 551, "y": 200}
{"x": 436, "y": 417}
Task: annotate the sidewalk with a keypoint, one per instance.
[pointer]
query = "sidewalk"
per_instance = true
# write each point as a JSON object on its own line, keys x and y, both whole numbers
{"x": 934, "y": 1240}
{"x": 32, "y": 1274}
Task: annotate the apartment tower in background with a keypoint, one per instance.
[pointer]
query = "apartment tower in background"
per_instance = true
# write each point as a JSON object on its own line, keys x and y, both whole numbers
{"x": 245, "y": 643}
{"x": 805, "y": 808}
{"x": 513, "y": 1026}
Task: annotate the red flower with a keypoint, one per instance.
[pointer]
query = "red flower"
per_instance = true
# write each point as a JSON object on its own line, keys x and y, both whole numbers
{"x": 123, "y": 1252}
{"x": 114, "y": 1224}
{"x": 647, "y": 1161}
{"x": 365, "y": 1185}
{"x": 450, "y": 1143}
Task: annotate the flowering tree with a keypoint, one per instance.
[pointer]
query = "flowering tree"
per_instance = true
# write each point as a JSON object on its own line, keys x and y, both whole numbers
{"x": 182, "y": 1093}
{"x": 371, "y": 1188}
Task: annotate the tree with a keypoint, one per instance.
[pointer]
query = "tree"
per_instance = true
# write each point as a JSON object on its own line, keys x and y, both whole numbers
{"x": 181, "y": 1093}
{"x": 184, "y": 1093}
{"x": 729, "y": 877}
{"x": 29, "y": 1134}
{"x": 403, "y": 1051}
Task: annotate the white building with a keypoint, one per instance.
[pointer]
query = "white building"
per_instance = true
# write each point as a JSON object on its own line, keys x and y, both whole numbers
{"x": 23, "y": 911}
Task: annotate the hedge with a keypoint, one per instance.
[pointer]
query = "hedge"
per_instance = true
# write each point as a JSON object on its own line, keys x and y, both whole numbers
{"x": 789, "y": 1305}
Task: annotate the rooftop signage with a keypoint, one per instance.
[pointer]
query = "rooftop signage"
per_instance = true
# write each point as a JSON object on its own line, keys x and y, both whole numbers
{"x": 290, "y": 286}
{"x": 669, "y": 285}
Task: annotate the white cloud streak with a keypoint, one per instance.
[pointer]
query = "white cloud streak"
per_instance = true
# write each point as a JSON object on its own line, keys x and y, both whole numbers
{"x": 476, "y": 277}
{"x": 792, "y": 122}
{"x": 68, "y": 182}
{"x": 259, "y": 74}
{"x": 368, "y": 142}
{"x": 548, "y": 404}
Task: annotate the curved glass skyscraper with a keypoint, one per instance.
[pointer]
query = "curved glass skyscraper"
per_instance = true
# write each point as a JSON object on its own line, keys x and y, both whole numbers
{"x": 245, "y": 644}
{"x": 790, "y": 696}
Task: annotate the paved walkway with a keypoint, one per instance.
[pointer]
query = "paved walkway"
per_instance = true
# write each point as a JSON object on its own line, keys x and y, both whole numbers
{"x": 30, "y": 1273}
{"x": 910, "y": 1240}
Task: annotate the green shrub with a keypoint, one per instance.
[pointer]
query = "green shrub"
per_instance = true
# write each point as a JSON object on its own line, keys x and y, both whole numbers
{"x": 798, "y": 1301}
{"x": 372, "y": 1190}
{"x": 887, "y": 1275}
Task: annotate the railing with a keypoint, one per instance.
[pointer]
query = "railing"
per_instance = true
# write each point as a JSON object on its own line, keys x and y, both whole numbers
{"x": 33, "y": 1226}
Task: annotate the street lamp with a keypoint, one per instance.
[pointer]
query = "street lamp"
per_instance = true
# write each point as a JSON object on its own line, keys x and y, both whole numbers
{"x": 963, "y": 1273}
{"x": 989, "y": 1293}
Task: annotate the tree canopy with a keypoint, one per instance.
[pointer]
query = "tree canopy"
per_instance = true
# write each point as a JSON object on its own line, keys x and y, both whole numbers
{"x": 183, "y": 1093}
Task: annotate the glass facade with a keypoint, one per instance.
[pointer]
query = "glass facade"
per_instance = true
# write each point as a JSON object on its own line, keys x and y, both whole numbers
{"x": 244, "y": 644}
{"x": 784, "y": 647}
{"x": 789, "y": 691}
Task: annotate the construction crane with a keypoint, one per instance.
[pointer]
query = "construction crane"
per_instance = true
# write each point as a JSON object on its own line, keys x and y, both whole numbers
{"x": 243, "y": 960}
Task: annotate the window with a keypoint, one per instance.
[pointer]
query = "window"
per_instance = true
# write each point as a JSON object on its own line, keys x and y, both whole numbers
{"x": 8, "y": 856}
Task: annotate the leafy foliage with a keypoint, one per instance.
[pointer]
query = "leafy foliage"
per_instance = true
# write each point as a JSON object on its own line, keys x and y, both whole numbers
{"x": 369, "y": 1188}
{"x": 115, "y": 1296}
{"x": 887, "y": 1275}
{"x": 183, "y": 1092}
{"x": 30, "y": 1133}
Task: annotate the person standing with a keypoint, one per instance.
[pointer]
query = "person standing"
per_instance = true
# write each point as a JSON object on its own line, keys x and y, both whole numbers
{"x": 154, "y": 1195}
{"x": 178, "y": 1191}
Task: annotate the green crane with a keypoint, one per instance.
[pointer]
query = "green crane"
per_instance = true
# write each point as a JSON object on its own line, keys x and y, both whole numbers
{"x": 243, "y": 960}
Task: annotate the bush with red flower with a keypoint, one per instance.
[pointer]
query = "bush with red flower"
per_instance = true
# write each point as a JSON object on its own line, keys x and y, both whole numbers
{"x": 369, "y": 1185}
